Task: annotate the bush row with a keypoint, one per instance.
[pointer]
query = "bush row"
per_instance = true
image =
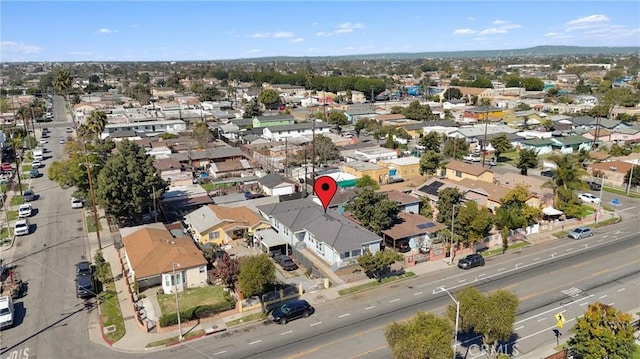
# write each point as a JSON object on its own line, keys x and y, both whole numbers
{"x": 199, "y": 312}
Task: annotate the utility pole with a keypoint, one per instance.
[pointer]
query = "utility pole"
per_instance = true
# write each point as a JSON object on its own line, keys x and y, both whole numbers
{"x": 286, "y": 156}
{"x": 313, "y": 156}
{"x": 484, "y": 141}
{"x": 630, "y": 177}
{"x": 453, "y": 211}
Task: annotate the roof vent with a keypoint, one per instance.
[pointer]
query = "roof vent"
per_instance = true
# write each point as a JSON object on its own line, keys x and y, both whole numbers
{"x": 613, "y": 168}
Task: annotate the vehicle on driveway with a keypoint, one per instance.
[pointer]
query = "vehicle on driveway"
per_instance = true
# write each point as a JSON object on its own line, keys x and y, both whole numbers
{"x": 580, "y": 232}
{"x": 589, "y": 198}
{"x": 28, "y": 195}
{"x": 294, "y": 309}
{"x": 76, "y": 202}
{"x": 22, "y": 227}
{"x": 25, "y": 210}
{"x": 470, "y": 261}
{"x": 285, "y": 262}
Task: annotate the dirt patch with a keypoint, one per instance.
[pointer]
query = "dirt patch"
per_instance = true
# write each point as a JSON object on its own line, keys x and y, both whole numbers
{"x": 352, "y": 274}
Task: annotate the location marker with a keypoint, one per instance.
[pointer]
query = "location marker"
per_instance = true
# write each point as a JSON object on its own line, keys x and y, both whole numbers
{"x": 325, "y": 188}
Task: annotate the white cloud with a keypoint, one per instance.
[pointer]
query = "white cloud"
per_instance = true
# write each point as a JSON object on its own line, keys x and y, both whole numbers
{"x": 105, "y": 31}
{"x": 499, "y": 22}
{"x": 464, "y": 32}
{"x": 283, "y": 34}
{"x": 297, "y": 40}
{"x": 492, "y": 31}
{"x": 586, "y": 21}
{"x": 254, "y": 51}
{"x": 261, "y": 35}
{"x": 323, "y": 34}
{"x": 347, "y": 27}
{"x": 19, "y": 47}
{"x": 502, "y": 28}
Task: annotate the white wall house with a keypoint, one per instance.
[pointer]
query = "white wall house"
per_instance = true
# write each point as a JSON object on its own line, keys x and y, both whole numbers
{"x": 279, "y": 133}
{"x": 151, "y": 128}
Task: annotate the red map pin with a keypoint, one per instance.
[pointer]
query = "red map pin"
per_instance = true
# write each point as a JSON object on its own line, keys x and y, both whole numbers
{"x": 325, "y": 188}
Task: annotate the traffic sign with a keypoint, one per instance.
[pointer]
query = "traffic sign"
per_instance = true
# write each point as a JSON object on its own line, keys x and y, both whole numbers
{"x": 560, "y": 320}
{"x": 615, "y": 202}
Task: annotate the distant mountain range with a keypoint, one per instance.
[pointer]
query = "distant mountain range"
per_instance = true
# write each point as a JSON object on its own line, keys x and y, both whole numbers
{"x": 528, "y": 52}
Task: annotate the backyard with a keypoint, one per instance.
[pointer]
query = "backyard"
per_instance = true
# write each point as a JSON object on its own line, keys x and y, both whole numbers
{"x": 192, "y": 298}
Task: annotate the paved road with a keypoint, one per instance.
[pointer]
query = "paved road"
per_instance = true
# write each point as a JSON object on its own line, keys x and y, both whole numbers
{"x": 548, "y": 279}
{"x": 51, "y": 321}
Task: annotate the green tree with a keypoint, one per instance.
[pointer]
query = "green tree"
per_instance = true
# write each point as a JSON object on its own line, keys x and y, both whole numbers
{"x": 452, "y": 93}
{"x": 210, "y": 93}
{"x": 252, "y": 109}
{"x": 431, "y": 141}
{"x": 635, "y": 176}
{"x": 475, "y": 222}
{"x": 567, "y": 178}
{"x": 492, "y": 315}
{"x": 514, "y": 212}
{"x": 425, "y": 208}
{"x": 501, "y": 145}
{"x": 4, "y": 105}
{"x": 257, "y": 275}
{"x": 125, "y": 184}
{"x": 447, "y": 198}
{"x": 481, "y": 82}
{"x": 376, "y": 265}
{"x": 527, "y": 158}
{"x": 430, "y": 162}
{"x": 103, "y": 272}
{"x": 532, "y": 84}
{"x": 424, "y": 335}
{"x": 455, "y": 148}
{"x": 367, "y": 181}
{"x": 268, "y": 97}
{"x": 201, "y": 134}
{"x": 373, "y": 210}
{"x": 94, "y": 126}
{"x": 337, "y": 118}
{"x": 603, "y": 332}
{"x": 62, "y": 82}
{"x": 326, "y": 150}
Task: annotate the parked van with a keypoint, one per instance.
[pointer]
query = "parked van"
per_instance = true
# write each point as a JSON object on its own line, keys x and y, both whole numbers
{"x": 38, "y": 154}
{"x": 6, "y": 312}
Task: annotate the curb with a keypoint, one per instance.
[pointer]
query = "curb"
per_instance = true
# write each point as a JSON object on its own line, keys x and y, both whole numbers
{"x": 13, "y": 240}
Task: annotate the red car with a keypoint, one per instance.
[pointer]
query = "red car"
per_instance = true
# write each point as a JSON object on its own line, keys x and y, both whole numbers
{"x": 6, "y": 166}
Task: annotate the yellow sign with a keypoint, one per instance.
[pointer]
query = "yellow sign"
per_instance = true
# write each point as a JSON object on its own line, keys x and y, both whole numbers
{"x": 560, "y": 320}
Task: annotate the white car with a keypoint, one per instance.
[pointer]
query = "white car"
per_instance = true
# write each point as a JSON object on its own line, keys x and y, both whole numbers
{"x": 76, "y": 202}
{"x": 43, "y": 141}
{"x": 589, "y": 198}
{"x": 472, "y": 158}
{"x": 61, "y": 141}
{"x": 22, "y": 227}
{"x": 36, "y": 164}
{"x": 25, "y": 210}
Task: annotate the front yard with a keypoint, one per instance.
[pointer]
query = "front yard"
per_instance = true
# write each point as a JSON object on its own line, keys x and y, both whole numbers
{"x": 191, "y": 298}
{"x": 110, "y": 309}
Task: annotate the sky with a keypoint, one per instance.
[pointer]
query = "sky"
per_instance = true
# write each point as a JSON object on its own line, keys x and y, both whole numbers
{"x": 218, "y": 30}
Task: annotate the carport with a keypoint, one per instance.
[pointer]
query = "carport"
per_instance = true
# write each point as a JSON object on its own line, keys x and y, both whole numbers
{"x": 270, "y": 241}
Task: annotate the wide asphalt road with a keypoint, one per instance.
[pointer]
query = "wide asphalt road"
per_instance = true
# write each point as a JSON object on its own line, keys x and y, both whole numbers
{"x": 50, "y": 321}
{"x": 548, "y": 279}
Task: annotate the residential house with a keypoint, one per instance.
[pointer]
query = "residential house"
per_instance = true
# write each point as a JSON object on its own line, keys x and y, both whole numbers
{"x": 181, "y": 199}
{"x": 483, "y": 114}
{"x": 153, "y": 253}
{"x": 174, "y": 172}
{"x": 454, "y": 104}
{"x": 360, "y": 169}
{"x": 372, "y": 154}
{"x": 276, "y": 185}
{"x": 150, "y": 128}
{"x": 162, "y": 92}
{"x": 403, "y": 167}
{"x": 488, "y": 194}
{"x": 203, "y": 158}
{"x": 360, "y": 112}
{"x": 220, "y": 225}
{"x": 330, "y": 236}
{"x": 229, "y": 168}
{"x": 272, "y": 121}
{"x": 405, "y": 201}
{"x": 613, "y": 172}
{"x": 279, "y": 133}
{"x": 385, "y": 119}
{"x": 469, "y": 92}
{"x": 412, "y": 229}
{"x": 571, "y": 144}
{"x": 541, "y": 146}
{"x": 457, "y": 170}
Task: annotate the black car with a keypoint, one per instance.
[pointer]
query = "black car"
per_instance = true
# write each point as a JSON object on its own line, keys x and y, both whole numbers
{"x": 594, "y": 186}
{"x": 292, "y": 310}
{"x": 29, "y": 196}
{"x": 548, "y": 173}
{"x": 285, "y": 262}
{"x": 470, "y": 261}
{"x": 85, "y": 286}
{"x": 84, "y": 267}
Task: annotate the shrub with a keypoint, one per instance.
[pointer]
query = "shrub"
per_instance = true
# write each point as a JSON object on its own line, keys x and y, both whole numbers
{"x": 199, "y": 312}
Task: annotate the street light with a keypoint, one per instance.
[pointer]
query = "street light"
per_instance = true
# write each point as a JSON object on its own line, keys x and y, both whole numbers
{"x": 175, "y": 290}
{"x": 455, "y": 335}
{"x": 92, "y": 196}
{"x": 600, "y": 202}
{"x": 453, "y": 212}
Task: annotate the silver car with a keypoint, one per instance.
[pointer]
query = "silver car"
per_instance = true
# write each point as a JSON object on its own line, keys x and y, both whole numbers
{"x": 580, "y": 232}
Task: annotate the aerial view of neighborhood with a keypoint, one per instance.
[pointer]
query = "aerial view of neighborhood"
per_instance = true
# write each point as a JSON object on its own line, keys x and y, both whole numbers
{"x": 308, "y": 180}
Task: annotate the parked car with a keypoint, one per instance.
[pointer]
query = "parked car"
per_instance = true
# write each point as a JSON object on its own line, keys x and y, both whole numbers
{"x": 84, "y": 267}
{"x": 36, "y": 164}
{"x": 473, "y": 157}
{"x": 43, "y": 141}
{"x": 6, "y": 167}
{"x": 292, "y": 310}
{"x": 22, "y": 227}
{"x": 34, "y": 173}
{"x": 589, "y": 198}
{"x": 25, "y": 210}
{"x": 61, "y": 141}
{"x": 594, "y": 186}
{"x": 395, "y": 180}
{"x": 490, "y": 162}
{"x": 580, "y": 232}
{"x": 548, "y": 173}
{"x": 76, "y": 202}
{"x": 28, "y": 195}
{"x": 85, "y": 285}
{"x": 285, "y": 262}
{"x": 470, "y": 261}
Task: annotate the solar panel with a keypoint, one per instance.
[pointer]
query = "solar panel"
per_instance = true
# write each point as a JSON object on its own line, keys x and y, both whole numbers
{"x": 431, "y": 188}
{"x": 426, "y": 225}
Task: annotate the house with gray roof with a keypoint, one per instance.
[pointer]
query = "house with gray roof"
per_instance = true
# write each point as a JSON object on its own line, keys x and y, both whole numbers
{"x": 274, "y": 184}
{"x": 279, "y": 133}
{"x": 302, "y": 223}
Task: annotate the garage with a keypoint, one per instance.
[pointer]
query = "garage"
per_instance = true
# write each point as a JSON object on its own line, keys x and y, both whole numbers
{"x": 270, "y": 241}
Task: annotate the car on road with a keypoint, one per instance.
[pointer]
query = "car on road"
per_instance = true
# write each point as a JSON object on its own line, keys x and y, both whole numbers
{"x": 490, "y": 162}
{"x": 68, "y": 130}
{"x": 76, "y": 202}
{"x": 43, "y": 141}
{"x": 548, "y": 173}
{"x": 85, "y": 285}
{"x": 22, "y": 227}
{"x": 6, "y": 312}
{"x": 28, "y": 195}
{"x": 294, "y": 309}
{"x": 84, "y": 267}
{"x": 285, "y": 262}
{"x": 470, "y": 261}
{"x": 589, "y": 198}
{"x": 25, "y": 210}
{"x": 580, "y": 232}
{"x": 34, "y": 173}
{"x": 61, "y": 141}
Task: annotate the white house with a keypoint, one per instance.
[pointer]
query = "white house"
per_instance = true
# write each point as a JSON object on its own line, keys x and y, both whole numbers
{"x": 276, "y": 185}
{"x": 279, "y": 133}
{"x": 150, "y": 128}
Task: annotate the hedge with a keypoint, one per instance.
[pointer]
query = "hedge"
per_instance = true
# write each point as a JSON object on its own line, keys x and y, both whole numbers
{"x": 199, "y": 312}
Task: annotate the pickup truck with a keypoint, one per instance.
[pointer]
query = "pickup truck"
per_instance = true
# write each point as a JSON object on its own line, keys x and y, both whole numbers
{"x": 6, "y": 312}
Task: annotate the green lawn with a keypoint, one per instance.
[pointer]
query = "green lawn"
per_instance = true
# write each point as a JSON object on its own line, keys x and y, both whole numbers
{"x": 13, "y": 215}
{"x": 245, "y": 319}
{"x": 16, "y": 200}
{"x": 172, "y": 340}
{"x": 621, "y": 192}
{"x": 6, "y": 232}
{"x": 91, "y": 224}
{"x": 208, "y": 186}
{"x": 375, "y": 283}
{"x": 110, "y": 309}
{"x": 510, "y": 157}
{"x": 499, "y": 250}
{"x": 636, "y": 354}
{"x": 26, "y": 168}
{"x": 191, "y": 298}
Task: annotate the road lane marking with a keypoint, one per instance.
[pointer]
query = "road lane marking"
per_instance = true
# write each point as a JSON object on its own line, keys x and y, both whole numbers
{"x": 287, "y": 332}
{"x": 519, "y": 264}
{"x": 482, "y": 274}
{"x": 603, "y": 296}
{"x": 220, "y": 352}
{"x": 569, "y": 249}
{"x": 543, "y": 330}
{"x": 611, "y": 304}
{"x": 344, "y": 315}
{"x": 462, "y": 280}
{"x": 500, "y": 269}
{"x": 621, "y": 289}
{"x": 554, "y": 309}
{"x": 369, "y": 352}
{"x": 583, "y": 304}
{"x": 314, "y": 324}
{"x": 419, "y": 293}
{"x": 520, "y": 327}
{"x": 536, "y": 259}
{"x": 394, "y": 300}
{"x": 370, "y": 307}
{"x": 541, "y": 319}
{"x": 255, "y": 342}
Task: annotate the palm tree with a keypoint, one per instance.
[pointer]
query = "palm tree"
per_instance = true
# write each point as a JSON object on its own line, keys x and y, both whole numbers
{"x": 95, "y": 124}
{"x": 567, "y": 177}
{"x": 62, "y": 82}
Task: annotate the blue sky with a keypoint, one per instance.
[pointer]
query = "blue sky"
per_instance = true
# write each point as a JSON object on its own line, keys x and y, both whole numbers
{"x": 214, "y": 30}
